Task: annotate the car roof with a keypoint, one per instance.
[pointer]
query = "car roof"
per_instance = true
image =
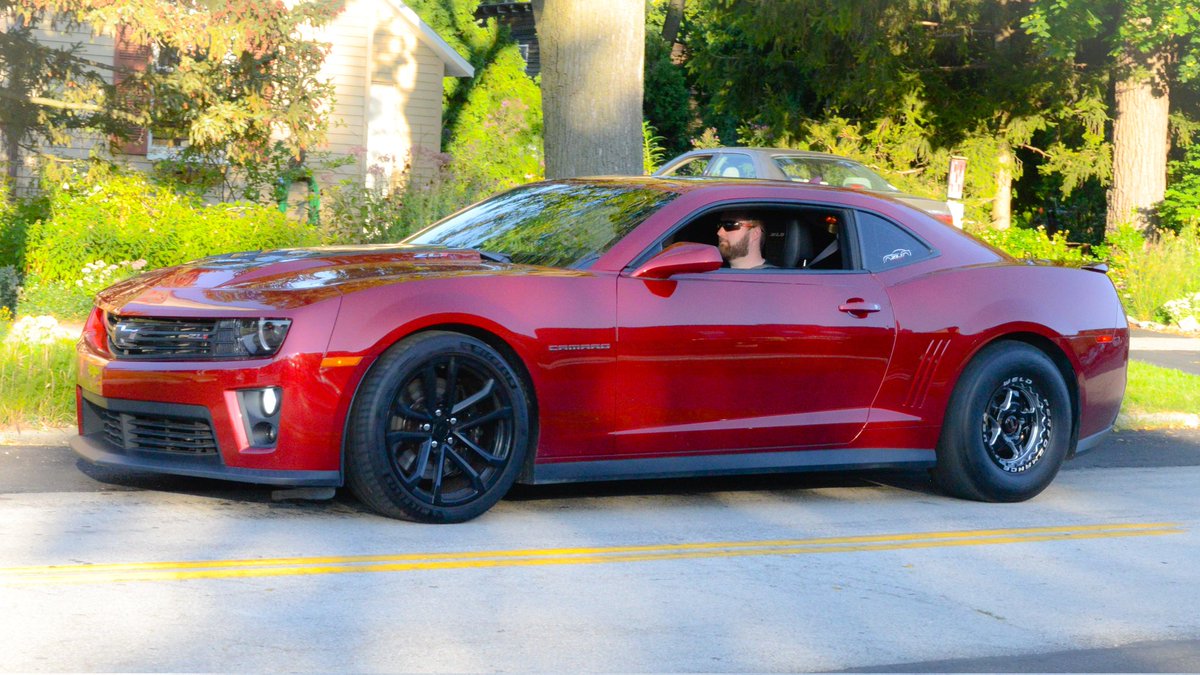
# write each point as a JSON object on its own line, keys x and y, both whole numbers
{"x": 773, "y": 152}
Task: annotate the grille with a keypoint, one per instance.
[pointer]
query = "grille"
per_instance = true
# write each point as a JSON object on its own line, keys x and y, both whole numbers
{"x": 142, "y": 337}
{"x": 156, "y": 433}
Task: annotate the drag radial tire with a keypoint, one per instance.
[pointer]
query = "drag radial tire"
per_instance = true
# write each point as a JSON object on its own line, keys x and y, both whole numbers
{"x": 1008, "y": 427}
{"x": 438, "y": 431}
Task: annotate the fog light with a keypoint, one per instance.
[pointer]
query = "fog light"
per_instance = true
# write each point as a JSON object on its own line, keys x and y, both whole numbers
{"x": 270, "y": 402}
{"x": 264, "y": 434}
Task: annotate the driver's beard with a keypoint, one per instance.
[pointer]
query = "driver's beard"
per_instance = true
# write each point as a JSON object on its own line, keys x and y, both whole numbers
{"x": 733, "y": 251}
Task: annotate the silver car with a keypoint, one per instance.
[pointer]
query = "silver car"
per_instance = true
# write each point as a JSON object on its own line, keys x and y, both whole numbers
{"x": 798, "y": 166}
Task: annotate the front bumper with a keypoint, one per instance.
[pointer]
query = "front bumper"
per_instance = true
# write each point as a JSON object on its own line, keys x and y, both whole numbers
{"x": 191, "y": 417}
{"x": 188, "y": 444}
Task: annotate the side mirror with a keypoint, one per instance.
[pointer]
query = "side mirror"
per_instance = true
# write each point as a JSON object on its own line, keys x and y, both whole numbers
{"x": 681, "y": 258}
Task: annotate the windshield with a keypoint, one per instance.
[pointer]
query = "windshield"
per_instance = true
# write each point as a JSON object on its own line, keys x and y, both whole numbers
{"x": 562, "y": 224}
{"x": 831, "y": 171}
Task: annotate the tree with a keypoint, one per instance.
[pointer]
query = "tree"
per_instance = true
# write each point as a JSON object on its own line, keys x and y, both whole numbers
{"x": 1150, "y": 46}
{"x": 899, "y": 85}
{"x": 237, "y": 79}
{"x": 592, "y": 69}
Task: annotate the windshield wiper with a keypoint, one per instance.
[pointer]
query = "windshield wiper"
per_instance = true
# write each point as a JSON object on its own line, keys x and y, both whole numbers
{"x": 494, "y": 256}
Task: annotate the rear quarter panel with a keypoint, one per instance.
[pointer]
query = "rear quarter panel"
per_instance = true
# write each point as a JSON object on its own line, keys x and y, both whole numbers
{"x": 944, "y": 317}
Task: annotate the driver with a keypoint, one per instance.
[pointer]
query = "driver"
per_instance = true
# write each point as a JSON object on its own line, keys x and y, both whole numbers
{"x": 740, "y": 238}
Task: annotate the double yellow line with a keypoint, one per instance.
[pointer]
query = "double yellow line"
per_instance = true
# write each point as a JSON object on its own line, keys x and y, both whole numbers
{"x": 278, "y": 567}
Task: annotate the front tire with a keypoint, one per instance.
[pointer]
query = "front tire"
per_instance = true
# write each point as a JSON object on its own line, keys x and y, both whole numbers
{"x": 439, "y": 430}
{"x": 1008, "y": 427}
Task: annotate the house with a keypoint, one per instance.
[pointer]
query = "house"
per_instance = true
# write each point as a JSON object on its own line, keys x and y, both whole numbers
{"x": 387, "y": 66}
{"x": 518, "y": 16}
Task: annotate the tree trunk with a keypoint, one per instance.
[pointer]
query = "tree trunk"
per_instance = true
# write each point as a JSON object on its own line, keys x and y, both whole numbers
{"x": 1002, "y": 204}
{"x": 1140, "y": 143}
{"x": 592, "y": 60}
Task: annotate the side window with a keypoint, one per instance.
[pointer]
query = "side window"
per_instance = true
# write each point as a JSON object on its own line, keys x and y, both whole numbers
{"x": 793, "y": 238}
{"x": 733, "y": 165}
{"x": 692, "y": 167}
{"x": 886, "y": 245}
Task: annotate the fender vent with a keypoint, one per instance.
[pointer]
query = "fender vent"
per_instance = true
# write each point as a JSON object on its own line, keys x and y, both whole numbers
{"x": 918, "y": 391}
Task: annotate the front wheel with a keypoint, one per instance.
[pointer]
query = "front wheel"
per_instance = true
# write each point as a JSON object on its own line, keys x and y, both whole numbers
{"x": 439, "y": 429}
{"x": 1008, "y": 427}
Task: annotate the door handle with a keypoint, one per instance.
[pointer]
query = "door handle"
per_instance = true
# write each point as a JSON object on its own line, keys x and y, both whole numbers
{"x": 859, "y": 308}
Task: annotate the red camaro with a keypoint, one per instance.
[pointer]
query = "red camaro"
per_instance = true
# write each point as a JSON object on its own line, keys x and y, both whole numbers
{"x": 586, "y": 330}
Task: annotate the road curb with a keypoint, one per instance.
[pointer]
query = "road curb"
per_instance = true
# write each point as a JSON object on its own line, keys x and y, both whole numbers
{"x": 1142, "y": 421}
{"x": 37, "y": 436}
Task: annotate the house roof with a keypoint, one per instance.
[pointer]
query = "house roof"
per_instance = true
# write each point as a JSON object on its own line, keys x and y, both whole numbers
{"x": 456, "y": 65}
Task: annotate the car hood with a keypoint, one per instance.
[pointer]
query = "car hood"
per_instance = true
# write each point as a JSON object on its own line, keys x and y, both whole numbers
{"x": 286, "y": 278}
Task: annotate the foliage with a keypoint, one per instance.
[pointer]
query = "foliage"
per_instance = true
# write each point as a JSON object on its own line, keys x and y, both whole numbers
{"x": 666, "y": 102}
{"x": 10, "y": 283}
{"x": 496, "y": 139}
{"x": 1181, "y": 206}
{"x": 1033, "y": 244}
{"x": 235, "y": 80}
{"x": 653, "y": 152}
{"x": 492, "y": 123}
{"x": 37, "y": 383}
{"x": 1150, "y": 273}
{"x": 62, "y": 299}
{"x": 1179, "y": 310}
{"x": 904, "y": 85}
{"x": 355, "y": 214}
{"x": 15, "y": 218}
{"x": 104, "y": 215}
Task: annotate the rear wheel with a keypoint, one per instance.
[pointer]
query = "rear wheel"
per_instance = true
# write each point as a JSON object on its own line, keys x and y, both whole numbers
{"x": 439, "y": 429}
{"x": 1008, "y": 427}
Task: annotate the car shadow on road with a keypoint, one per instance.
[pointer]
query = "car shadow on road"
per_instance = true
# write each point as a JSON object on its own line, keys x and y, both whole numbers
{"x": 909, "y": 481}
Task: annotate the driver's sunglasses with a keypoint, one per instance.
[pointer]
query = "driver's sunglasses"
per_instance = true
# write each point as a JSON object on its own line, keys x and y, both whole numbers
{"x": 733, "y": 225}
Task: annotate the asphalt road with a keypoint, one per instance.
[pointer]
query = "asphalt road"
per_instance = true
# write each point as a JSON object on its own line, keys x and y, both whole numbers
{"x": 111, "y": 571}
{"x": 1166, "y": 350}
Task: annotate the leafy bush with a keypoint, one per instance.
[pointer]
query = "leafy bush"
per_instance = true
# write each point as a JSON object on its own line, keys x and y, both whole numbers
{"x": 1180, "y": 207}
{"x": 10, "y": 282}
{"x": 496, "y": 137}
{"x": 1034, "y": 243}
{"x": 15, "y": 218}
{"x": 1151, "y": 273}
{"x": 354, "y": 214}
{"x": 101, "y": 215}
{"x": 653, "y": 153}
{"x": 666, "y": 103}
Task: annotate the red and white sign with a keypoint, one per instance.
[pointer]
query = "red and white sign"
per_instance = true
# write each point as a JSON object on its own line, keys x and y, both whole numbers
{"x": 958, "y": 176}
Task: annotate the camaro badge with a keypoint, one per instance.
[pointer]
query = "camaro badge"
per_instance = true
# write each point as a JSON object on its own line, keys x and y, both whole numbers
{"x": 578, "y": 348}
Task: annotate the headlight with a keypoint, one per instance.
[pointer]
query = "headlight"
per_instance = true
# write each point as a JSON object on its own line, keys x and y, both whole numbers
{"x": 250, "y": 337}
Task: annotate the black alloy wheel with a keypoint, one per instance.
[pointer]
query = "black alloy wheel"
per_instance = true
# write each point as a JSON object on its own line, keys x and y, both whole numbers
{"x": 1008, "y": 426}
{"x": 439, "y": 430}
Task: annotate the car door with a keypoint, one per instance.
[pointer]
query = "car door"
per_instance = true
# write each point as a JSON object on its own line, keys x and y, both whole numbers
{"x": 774, "y": 359}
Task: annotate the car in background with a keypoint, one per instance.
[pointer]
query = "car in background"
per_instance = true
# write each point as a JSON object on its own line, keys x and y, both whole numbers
{"x": 797, "y": 166}
{"x": 585, "y": 329}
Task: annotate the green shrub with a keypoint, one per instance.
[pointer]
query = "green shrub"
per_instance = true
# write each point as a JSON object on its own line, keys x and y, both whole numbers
{"x": 15, "y": 218}
{"x": 354, "y": 214}
{"x": 496, "y": 138}
{"x": 10, "y": 282}
{"x": 62, "y": 299}
{"x": 1034, "y": 244}
{"x": 1180, "y": 206}
{"x": 1151, "y": 273}
{"x": 114, "y": 217}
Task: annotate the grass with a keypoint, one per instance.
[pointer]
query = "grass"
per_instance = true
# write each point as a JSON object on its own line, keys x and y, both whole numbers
{"x": 1154, "y": 390}
{"x": 37, "y": 385}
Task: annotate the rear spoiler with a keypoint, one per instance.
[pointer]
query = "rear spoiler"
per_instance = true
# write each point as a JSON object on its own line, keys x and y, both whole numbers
{"x": 1100, "y": 267}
